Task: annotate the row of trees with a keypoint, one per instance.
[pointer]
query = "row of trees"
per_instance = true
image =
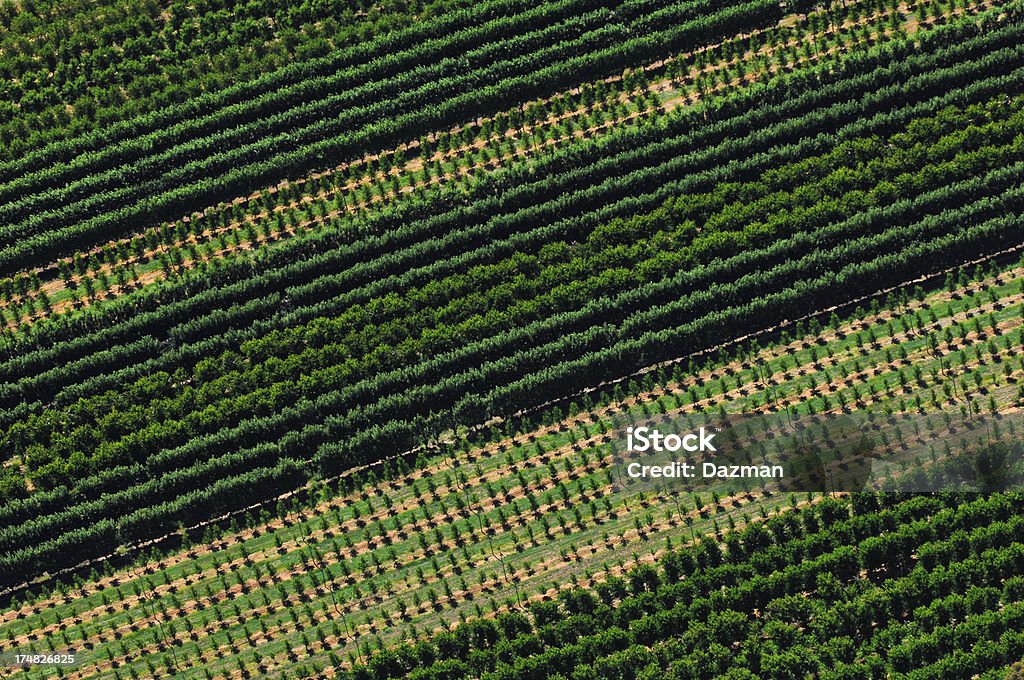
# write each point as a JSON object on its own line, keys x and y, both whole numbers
{"x": 124, "y": 60}
{"x": 396, "y": 410}
{"x": 380, "y": 108}
{"x": 602, "y": 95}
{"x": 753, "y": 120}
{"x": 343, "y": 89}
{"x": 756, "y": 547}
{"x": 360, "y": 560}
{"x": 391, "y": 224}
{"x": 283, "y": 344}
{"x": 86, "y": 275}
{"x": 567, "y": 352}
{"x": 708, "y": 610}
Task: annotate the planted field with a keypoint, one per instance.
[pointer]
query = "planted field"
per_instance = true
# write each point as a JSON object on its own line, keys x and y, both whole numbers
{"x": 371, "y": 360}
{"x": 280, "y": 211}
{"x": 173, "y": 161}
{"x": 458, "y": 154}
{"x": 326, "y": 372}
{"x": 494, "y": 528}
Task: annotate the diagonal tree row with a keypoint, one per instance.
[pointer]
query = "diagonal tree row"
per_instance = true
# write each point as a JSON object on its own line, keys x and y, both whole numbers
{"x": 278, "y": 212}
{"x": 851, "y": 344}
{"x": 307, "y": 345}
{"x": 341, "y": 107}
{"x": 567, "y": 352}
{"x": 887, "y": 323}
{"x": 78, "y": 66}
{"x": 824, "y": 593}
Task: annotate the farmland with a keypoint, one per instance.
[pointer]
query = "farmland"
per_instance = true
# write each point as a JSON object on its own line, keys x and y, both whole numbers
{"x": 446, "y": 541}
{"x": 315, "y": 363}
